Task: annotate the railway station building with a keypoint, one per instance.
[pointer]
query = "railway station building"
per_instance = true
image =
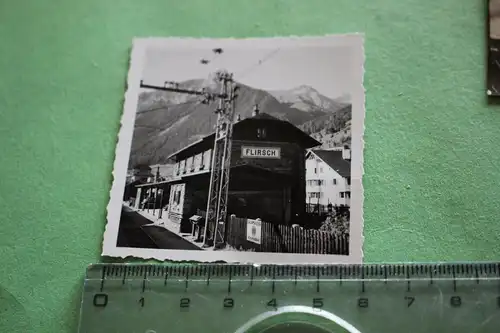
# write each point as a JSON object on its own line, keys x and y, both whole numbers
{"x": 267, "y": 175}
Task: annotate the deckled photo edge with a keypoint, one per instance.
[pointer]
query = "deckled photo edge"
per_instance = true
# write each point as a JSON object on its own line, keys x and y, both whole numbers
{"x": 137, "y": 58}
{"x": 122, "y": 150}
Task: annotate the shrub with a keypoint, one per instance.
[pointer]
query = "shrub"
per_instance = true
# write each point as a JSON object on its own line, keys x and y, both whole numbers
{"x": 336, "y": 224}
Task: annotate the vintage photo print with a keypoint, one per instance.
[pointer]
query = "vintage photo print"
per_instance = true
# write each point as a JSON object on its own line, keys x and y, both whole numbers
{"x": 493, "y": 70}
{"x": 242, "y": 151}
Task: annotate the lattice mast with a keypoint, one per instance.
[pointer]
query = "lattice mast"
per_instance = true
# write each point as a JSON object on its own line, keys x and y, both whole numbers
{"x": 217, "y": 202}
{"x": 226, "y": 162}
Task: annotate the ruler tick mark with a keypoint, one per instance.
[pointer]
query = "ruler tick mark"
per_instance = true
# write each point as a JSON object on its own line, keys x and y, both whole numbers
{"x": 229, "y": 281}
{"x": 408, "y": 286}
{"x": 454, "y": 278}
{"x": 166, "y": 279}
{"x": 124, "y": 275}
{"x": 273, "y": 285}
{"x": 385, "y": 274}
{"x": 187, "y": 280}
{"x": 144, "y": 280}
{"x": 362, "y": 279}
{"x": 102, "y": 278}
{"x": 208, "y": 276}
{"x": 251, "y": 275}
{"x": 317, "y": 280}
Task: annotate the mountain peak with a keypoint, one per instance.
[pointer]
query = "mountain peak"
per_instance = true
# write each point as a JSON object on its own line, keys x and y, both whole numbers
{"x": 305, "y": 98}
{"x": 303, "y": 87}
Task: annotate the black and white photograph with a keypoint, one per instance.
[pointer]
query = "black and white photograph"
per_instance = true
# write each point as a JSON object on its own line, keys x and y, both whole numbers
{"x": 493, "y": 70}
{"x": 241, "y": 150}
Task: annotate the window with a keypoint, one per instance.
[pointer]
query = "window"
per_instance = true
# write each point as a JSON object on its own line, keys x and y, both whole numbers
{"x": 261, "y": 133}
{"x": 334, "y": 181}
{"x": 192, "y": 163}
{"x": 346, "y": 194}
{"x": 177, "y": 197}
{"x": 209, "y": 158}
{"x": 202, "y": 160}
{"x": 316, "y": 195}
{"x": 348, "y": 180}
{"x": 315, "y": 170}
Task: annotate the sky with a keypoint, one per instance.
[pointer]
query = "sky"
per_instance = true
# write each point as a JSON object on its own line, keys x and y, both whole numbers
{"x": 324, "y": 68}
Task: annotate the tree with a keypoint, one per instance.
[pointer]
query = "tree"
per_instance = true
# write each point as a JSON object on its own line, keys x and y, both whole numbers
{"x": 337, "y": 222}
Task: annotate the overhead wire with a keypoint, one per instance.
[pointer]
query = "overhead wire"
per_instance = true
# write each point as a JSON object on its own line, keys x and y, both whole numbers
{"x": 259, "y": 63}
{"x": 252, "y": 67}
{"x": 166, "y": 107}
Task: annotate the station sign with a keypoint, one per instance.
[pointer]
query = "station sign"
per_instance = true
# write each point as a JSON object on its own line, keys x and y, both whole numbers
{"x": 261, "y": 152}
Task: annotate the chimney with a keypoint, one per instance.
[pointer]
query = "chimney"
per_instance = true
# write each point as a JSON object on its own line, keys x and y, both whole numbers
{"x": 255, "y": 110}
{"x": 346, "y": 153}
{"x": 238, "y": 117}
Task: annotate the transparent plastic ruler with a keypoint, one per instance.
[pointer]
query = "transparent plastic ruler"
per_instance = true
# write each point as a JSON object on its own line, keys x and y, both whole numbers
{"x": 218, "y": 298}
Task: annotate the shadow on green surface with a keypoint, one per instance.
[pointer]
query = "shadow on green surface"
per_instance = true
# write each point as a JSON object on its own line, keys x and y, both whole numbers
{"x": 13, "y": 315}
{"x": 72, "y": 314}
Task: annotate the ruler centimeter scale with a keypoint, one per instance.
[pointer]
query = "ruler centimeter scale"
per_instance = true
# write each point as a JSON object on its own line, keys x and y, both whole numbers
{"x": 210, "y": 298}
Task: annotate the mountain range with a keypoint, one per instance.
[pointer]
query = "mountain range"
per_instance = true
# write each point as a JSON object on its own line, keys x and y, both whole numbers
{"x": 167, "y": 121}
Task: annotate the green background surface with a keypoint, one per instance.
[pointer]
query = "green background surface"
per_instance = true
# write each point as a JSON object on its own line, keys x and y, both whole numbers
{"x": 431, "y": 153}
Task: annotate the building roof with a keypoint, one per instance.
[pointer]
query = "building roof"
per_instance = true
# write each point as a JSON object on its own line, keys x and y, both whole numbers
{"x": 153, "y": 184}
{"x": 303, "y": 137}
{"x": 335, "y": 160}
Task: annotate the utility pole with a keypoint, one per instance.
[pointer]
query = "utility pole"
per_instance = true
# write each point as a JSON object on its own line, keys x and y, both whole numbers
{"x": 218, "y": 192}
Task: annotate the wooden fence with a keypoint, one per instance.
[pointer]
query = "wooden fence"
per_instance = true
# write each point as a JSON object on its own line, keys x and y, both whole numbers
{"x": 285, "y": 239}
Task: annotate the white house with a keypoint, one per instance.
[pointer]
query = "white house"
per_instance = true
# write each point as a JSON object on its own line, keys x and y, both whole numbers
{"x": 328, "y": 178}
